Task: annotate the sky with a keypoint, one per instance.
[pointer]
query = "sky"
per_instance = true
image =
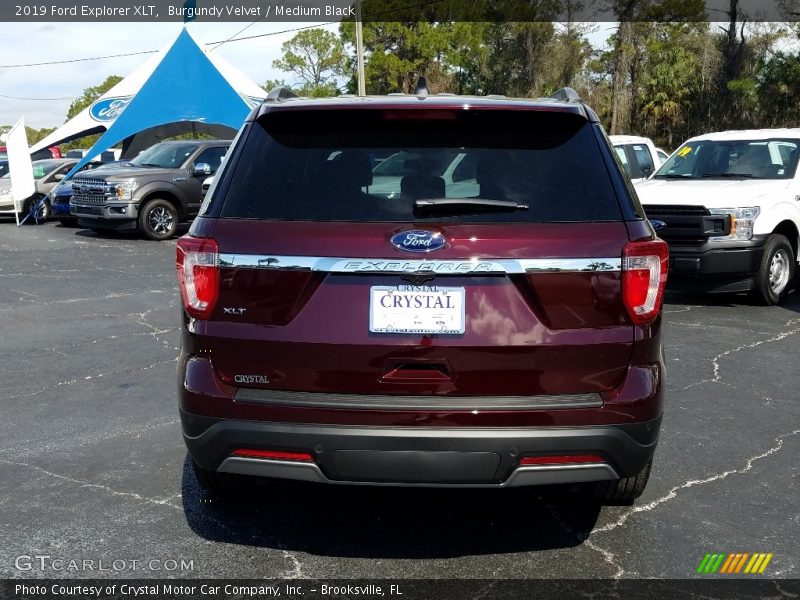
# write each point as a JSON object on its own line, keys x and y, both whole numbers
{"x": 58, "y": 85}
{"x": 24, "y": 43}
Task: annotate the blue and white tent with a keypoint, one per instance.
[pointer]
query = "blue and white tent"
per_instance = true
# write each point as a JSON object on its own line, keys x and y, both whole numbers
{"x": 183, "y": 88}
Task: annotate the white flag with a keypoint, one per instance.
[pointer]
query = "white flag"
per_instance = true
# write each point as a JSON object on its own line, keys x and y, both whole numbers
{"x": 19, "y": 165}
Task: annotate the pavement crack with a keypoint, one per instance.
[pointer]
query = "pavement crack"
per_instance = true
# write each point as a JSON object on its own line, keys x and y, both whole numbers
{"x": 90, "y": 377}
{"x": 775, "y": 338}
{"x": 682, "y": 309}
{"x": 297, "y": 567}
{"x": 607, "y": 555}
{"x": 672, "y": 493}
{"x": 97, "y": 486}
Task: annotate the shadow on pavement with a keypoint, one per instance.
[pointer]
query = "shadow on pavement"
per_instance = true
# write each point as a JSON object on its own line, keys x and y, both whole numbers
{"x": 389, "y": 522}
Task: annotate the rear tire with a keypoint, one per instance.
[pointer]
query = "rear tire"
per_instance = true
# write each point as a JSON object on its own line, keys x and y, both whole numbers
{"x": 775, "y": 272}
{"x": 219, "y": 484}
{"x": 622, "y": 491}
{"x": 158, "y": 219}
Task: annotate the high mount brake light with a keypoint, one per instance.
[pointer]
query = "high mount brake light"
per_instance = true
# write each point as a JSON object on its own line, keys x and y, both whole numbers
{"x": 198, "y": 275}
{"x": 644, "y": 275}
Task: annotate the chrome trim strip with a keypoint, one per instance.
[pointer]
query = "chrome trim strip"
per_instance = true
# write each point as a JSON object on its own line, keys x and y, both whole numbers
{"x": 374, "y": 402}
{"x": 520, "y": 477}
{"x": 438, "y": 266}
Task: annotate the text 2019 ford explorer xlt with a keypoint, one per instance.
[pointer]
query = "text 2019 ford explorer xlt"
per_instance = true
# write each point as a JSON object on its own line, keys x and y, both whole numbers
{"x": 486, "y": 315}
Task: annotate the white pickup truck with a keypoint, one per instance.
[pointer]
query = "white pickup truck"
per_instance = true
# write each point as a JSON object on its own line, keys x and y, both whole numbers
{"x": 638, "y": 155}
{"x": 728, "y": 205}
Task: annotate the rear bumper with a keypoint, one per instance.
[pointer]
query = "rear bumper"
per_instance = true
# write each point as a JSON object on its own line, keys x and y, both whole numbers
{"x": 421, "y": 456}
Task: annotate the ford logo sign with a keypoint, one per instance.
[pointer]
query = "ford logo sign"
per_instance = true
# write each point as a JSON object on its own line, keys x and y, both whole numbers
{"x": 418, "y": 240}
{"x": 658, "y": 224}
{"x": 109, "y": 109}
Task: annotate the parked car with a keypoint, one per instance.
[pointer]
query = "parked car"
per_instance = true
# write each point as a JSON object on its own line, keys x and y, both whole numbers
{"x": 727, "y": 205}
{"x": 157, "y": 190}
{"x": 419, "y": 336}
{"x": 206, "y": 185}
{"x": 107, "y": 156}
{"x": 457, "y": 169}
{"x": 638, "y": 155}
{"x": 43, "y": 154}
{"x": 3, "y": 167}
{"x": 46, "y": 174}
{"x": 61, "y": 194}
{"x": 46, "y": 153}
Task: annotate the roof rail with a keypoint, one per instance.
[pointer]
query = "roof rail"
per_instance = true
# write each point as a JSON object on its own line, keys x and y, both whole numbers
{"x": 279, "y": 93}
{"x": 566, "y": 94}
{"x": 422, "y": 87}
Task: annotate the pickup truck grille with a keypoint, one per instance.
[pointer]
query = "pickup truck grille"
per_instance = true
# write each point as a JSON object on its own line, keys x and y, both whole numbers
{"x": 88, "y": 191}
{"x": 687, "y": 225}
{"x": 667, "y": 210}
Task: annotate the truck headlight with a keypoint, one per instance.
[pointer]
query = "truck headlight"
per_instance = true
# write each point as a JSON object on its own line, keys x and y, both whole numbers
{"x": 122, "y": 190}
{"x": 742, "y": 221}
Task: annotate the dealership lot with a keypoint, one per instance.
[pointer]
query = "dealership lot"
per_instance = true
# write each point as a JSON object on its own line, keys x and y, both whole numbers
{"x": 93, "y": 467}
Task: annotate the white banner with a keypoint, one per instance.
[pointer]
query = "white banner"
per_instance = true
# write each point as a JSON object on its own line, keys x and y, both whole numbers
{"x": 19, "y": 166}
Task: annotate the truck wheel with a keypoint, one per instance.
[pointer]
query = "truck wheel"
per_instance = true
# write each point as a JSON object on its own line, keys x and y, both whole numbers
{"x": 776, "y": 270}
{"x": 622, "y": 491}
{"x": 158, "y": 219}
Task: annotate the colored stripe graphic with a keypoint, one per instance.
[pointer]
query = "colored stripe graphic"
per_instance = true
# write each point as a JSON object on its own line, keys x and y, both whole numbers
{"x": 728, "y": 563}
{"x": 711, "y": 563}
{"x": 723, "y": 563}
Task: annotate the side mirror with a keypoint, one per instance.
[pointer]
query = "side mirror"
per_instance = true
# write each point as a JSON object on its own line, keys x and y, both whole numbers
{"x": 59, "y": 177}
{"x": 658, "y": 224}
{"x": 647, "y": 171}
{"x": 202, "y": 169}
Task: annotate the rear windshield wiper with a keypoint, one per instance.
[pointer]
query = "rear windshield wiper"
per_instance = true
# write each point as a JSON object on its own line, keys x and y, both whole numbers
{"x": 729, "y": 175}
{"x": 460, "y": 204}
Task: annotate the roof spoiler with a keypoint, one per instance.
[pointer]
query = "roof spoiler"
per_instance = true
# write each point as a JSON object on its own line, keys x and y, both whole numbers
{"x": 280, "y": 93}
{"x": 566, "y": 94}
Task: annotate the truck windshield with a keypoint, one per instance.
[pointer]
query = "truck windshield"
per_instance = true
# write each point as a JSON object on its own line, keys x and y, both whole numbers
{"x": 165, "y": 156}
{"x": 733, "y": 159}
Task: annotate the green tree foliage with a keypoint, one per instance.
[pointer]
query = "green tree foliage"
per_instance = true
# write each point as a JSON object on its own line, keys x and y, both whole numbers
{"x": 666, "y": 72}
{"x": 779, "y": 90}
{"x": 398, "y": 53}
{"x": 89, "y": 95}
{"x": 317, "y": 58}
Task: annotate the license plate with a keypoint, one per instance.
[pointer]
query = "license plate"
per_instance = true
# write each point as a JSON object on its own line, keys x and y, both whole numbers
{"x": 437, "y": 310}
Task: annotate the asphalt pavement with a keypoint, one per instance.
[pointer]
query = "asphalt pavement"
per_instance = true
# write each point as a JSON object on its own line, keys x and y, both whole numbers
{"x": 93, "y": 467}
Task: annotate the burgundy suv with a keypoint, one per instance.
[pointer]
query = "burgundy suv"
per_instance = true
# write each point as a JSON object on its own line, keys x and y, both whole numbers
{"x": 489, "y": 315}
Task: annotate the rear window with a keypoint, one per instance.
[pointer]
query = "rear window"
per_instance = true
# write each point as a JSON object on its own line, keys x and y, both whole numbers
{"x": 373, "y": 165}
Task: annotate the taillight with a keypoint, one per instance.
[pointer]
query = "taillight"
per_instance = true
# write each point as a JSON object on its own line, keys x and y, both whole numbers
{"x": 644, "y": 275}
{"x": 273, "y": 454}
{"x": 198, "y": 274}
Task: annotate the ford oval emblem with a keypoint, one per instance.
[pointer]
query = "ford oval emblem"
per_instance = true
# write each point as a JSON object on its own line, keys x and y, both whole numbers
{"x": 658, "y": 224}
{"x": 418, "y": 240}
{"x": 109, "y": 109}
